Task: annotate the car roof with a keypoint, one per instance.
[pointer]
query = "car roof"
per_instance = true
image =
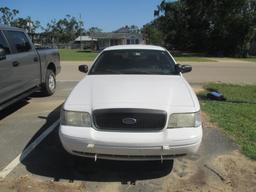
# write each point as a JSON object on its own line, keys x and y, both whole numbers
{"x": 142, "y": 47}
{"x": 5, "y": 27}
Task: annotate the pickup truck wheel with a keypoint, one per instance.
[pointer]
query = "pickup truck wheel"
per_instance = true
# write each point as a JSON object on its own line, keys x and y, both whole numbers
{"x": 50, "y": 83}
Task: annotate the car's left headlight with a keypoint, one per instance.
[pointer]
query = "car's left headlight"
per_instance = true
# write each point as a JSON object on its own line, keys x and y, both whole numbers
{"x": 180, "y": 120}
{"x": 74, "y": 118}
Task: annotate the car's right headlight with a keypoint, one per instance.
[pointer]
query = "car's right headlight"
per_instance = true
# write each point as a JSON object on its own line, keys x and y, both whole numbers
{"x": 182, "y": 120}
{"x": 75, "y": 118}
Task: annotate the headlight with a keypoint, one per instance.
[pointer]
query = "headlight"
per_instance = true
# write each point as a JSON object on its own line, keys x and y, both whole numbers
{"x": 79, "y": 119}
{"x": 179, "y": 120}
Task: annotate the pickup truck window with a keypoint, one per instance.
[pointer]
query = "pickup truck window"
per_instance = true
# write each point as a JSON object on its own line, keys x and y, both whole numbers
{"x": 132, "y": 61}
{"x": 18, "y": 40}
{"x": 3, "y": 44}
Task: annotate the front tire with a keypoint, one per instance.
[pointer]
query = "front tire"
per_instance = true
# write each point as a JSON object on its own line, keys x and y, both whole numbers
{"x": 49, "y": 87}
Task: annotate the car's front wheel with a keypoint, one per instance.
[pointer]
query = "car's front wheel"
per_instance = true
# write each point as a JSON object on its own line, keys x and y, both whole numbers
{"x": 49, "y": 87}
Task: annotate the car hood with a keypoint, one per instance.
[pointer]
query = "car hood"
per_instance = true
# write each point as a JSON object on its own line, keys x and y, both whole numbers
{"x": 163, "y": 92}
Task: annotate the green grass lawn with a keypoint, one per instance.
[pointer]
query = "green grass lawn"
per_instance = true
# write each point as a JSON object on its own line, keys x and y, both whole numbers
{"x": 236, "y": 115}
{"x": 76, "y": 55}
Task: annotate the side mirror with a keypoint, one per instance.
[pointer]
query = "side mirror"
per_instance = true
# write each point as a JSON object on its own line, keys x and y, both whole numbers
{"x": 183, "y": 68}
{"x": 2, "y": 54}
{"x": 83, "y": 68}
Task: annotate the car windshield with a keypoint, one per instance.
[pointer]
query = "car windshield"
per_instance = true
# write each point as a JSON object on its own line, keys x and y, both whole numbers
{"x": 134, "y": 62}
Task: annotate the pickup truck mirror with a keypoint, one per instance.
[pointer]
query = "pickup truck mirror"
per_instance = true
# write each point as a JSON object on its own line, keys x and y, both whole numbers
{"x": 2, "y": 54}
{"x": 83, "y": 68}
{"x": 183, "y": 68}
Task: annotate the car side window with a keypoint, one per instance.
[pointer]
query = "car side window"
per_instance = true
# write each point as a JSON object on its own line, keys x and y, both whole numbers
{"x": 4, "y": 45}
{"x": 18, "y": 40}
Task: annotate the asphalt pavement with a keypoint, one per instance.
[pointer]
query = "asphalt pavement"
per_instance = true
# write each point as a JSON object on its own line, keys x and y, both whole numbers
{"x": 225, "y": 70}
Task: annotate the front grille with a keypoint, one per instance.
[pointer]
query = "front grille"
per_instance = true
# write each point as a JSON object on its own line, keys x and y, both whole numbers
{"x": 129, "y": 119}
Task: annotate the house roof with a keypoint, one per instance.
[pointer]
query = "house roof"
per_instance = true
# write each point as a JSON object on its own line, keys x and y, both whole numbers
{"x": 114, "y": 35}
{"x": 127, "y": 29}
{"x": 108, "y": 35}
{"x": 85, "y": 38}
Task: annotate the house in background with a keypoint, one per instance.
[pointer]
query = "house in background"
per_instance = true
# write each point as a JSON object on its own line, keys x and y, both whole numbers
{"x": 101, "y": 40}
{"x": 86, "y": 42}
{"x": 115, "y": 38}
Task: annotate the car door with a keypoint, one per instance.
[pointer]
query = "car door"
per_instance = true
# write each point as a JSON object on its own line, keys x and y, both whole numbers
{"x": 25, "y": 61}
{"x": 8, "y": 85}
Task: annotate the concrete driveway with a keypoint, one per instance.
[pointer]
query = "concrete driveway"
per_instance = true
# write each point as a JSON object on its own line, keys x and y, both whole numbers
{"x": 32, "y": 158}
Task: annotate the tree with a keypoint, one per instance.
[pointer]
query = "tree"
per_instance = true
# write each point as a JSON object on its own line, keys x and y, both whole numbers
{"x": 93, "y": 30}
{"x": 128, "y": 29}
{"x": 26, "y": 24}
{"x": 64, "y": 30}
{"x": 7, "y": 15}
{"x": 218, "y": 27}
{"x": 152, "y": 34}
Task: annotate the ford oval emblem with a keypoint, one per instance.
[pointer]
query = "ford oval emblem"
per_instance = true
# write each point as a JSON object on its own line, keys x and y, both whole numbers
{"x": 129, "y": 121}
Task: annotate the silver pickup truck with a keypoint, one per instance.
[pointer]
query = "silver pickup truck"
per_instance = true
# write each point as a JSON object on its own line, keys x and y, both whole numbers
{"x": 23, "y": 68}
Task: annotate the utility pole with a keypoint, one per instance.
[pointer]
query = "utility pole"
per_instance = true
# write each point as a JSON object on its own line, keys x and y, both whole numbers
{"x": 80, "y": 21}
{"x": 30, "y": 25}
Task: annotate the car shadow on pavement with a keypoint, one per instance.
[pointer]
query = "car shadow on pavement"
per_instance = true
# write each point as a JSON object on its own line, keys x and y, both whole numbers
{"x": 18, "y": 105}
{"x": 49, "y": 159}
{"x": 13, "y": 108}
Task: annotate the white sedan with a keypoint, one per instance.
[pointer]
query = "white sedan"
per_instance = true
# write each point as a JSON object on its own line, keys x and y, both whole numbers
{"x": 134, "y": 104}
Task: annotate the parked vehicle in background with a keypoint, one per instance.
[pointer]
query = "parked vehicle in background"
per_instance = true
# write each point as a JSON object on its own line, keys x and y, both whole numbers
{"x": 23, "y": 68}
{"x": 134, "y": 104}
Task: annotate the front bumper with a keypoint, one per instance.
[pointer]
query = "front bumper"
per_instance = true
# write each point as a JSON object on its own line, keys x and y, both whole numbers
{"x": 165, "y": 144}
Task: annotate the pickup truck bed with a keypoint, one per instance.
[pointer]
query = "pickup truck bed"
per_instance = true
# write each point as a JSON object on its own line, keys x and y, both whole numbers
{"x": 48, "y": 56}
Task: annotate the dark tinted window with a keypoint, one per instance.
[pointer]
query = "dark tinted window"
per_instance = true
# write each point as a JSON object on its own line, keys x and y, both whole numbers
{"x": 18, "y": 41}
{"x": 134, "y": 62}
{"x": 4, "y": 45}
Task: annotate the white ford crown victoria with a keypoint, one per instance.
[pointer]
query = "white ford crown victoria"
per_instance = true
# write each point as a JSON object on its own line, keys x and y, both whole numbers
{"x": 134, "y": 104}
